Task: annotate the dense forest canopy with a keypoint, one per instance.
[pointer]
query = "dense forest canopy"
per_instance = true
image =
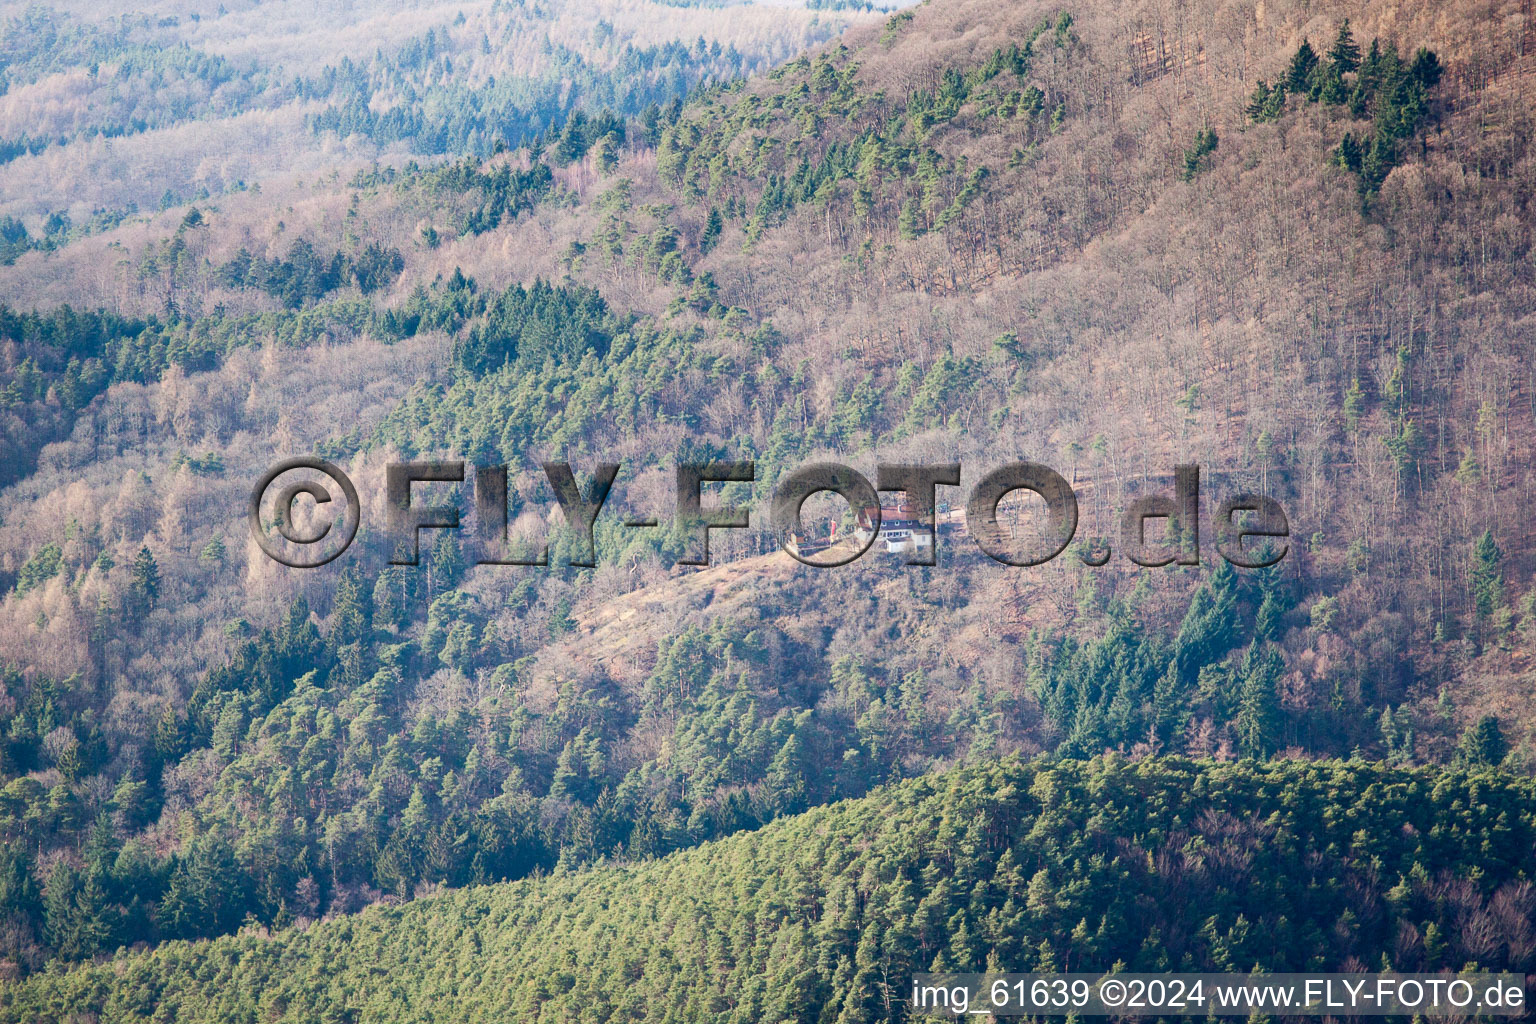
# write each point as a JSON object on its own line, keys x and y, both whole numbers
{"x": 1290, "y": 245}
{"x": 1162, "y": 865}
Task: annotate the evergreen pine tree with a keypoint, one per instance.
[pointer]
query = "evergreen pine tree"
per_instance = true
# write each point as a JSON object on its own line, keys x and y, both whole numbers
{"x": 60, "y": 927}
{"x": 1483, "y": 744}
{"x": 391, "y": 597}
{"x": 1426, "y": 68}
{"x": 1298, "y": 77}
{"x": 1258, "y": 102}
{"x": 170, "y": 736}
{"x": 1347, "y": 155}
{"x": 1276, "y": 105}
{"x": 18, "y": 889}
{"x": 445, "y": 566}
{"x": 713, "y": 225}
{"x": 213, "y": 552}
{"x": 786, "y": 777}
{"x": 1331, "y": 90}
{"x": 1258, "y": 712}
{"x": 1379, "y": 159}
{"x": 1487, "y": 576}
{"x": 93, "y": 930}
{"x": 1194, "y": 157}
{"x": 352, "y": 614}
{"x": 1170, "y": 704}
{"x": 1268, "y": 620}
{"x": 1344, "y": 55}
{"x": 178, "y": 914}
{"x": 144, "y": 580}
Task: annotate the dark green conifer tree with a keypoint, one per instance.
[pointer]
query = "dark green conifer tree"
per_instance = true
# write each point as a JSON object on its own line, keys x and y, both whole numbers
{"x": 1483, "y": 744}
{"x": 144, "y": 581}
{"x": 1298, "y": 77}
{"x": 1344, "y": 55}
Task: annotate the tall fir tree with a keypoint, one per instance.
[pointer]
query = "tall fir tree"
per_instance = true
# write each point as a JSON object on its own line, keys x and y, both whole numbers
{"x": 1487, "y": 576}
{"x": 1344, "y": 55}
{"x": 144, "y": 580}
{"x": 60, "y": 927}
{"x": 1258, "y": 713}
{"x": 1298, "y": 77}
{"x": 1483, "y": 744}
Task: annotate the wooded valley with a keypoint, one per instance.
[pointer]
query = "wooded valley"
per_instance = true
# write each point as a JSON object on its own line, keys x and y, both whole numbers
{"x": 1289, "y": 243}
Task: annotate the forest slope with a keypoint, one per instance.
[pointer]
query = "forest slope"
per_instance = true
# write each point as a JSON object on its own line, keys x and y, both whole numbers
{"x": 1290, "y": 243}
{"x": 1162, "y": 865}
{"x": 109, "y": 111}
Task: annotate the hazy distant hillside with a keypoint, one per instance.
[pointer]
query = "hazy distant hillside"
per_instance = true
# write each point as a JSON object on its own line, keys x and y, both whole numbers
{"x": 1289, "y": 243}
{"x": 1166, "y": 865}
{"x": 110, "y": 110}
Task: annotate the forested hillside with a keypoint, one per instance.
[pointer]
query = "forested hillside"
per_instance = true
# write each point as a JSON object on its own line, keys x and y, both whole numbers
{"x": 1163, "y": 865}
{"x": 109, "y": 111}
{"x": 1289, "y": 243}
